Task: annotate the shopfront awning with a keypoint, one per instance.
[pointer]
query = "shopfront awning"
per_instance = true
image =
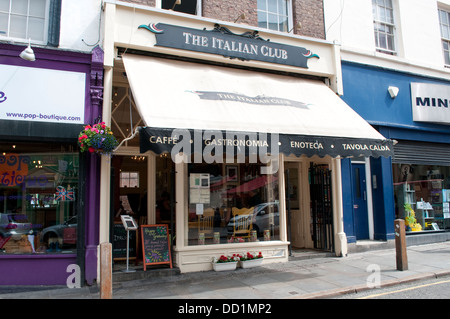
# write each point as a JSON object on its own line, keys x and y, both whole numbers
{"x": 219, "y": 107}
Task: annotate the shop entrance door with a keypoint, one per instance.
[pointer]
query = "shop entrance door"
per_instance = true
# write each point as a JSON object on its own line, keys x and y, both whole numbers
{"x": 295, "y": 216}
{"x": 128, "y": 197}
{"x": 321, "y": 206}
{"x": 360, "y": 212}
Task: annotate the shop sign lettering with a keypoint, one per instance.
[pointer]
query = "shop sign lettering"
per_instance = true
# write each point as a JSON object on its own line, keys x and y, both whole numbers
{"x": 2, "y": 97}
{"x": 221, "y": 41}
{"x": 259, "y": 100}
{"x": 430, "y": 102}
{"x": 13, "y": 169}
{"x": 307, "y": 145}
{"x": 365, "y": 147}
{"x": 14, "y": 172}
{"x": 210, "y": 146}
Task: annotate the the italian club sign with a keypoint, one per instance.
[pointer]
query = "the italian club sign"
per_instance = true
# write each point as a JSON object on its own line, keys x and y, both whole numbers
{"x": 221, "y": 41}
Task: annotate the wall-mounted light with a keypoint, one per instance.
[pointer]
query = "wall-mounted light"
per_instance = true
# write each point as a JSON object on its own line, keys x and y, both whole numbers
{"x": 241, "y": 17}
{"x": 298, "y": 26}
{"x": 393, "y": 91}
{"x": 28, "y": 53}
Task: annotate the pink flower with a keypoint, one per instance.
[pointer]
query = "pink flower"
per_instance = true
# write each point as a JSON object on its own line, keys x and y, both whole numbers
{"x": 91, "y": 149}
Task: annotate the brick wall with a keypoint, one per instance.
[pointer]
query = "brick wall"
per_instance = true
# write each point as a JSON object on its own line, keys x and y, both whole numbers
{"x": 229, "y": 10}
{"x": 308, "y": 12}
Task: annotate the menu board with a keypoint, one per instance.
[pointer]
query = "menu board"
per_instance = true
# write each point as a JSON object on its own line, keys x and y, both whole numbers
{"x": 155, "y": 245}
{"x": 199, "y": 191}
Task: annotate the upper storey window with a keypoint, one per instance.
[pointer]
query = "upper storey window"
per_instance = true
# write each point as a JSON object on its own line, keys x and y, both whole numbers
{"x": 185, "y": 6}
{"x": 444, "y": 20}
{"x": 384, "y": 27}
{"x": 274, "y": 14}
{"x": 24, "y": 19}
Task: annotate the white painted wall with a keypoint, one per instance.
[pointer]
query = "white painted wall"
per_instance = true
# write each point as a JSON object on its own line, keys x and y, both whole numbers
{"x": 418, "y": 38}
{"x": 80, "y": 21}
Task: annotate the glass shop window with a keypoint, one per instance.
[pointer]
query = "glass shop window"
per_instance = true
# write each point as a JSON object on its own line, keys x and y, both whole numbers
{"x": 38, "y": 193}
{"x": 422, "y": 196}
{"x": 232, "y": 203}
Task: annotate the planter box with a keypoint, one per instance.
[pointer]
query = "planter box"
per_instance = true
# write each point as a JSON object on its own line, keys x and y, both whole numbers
{"x": 225, "y": 266}
{"x": 251, "y": 263}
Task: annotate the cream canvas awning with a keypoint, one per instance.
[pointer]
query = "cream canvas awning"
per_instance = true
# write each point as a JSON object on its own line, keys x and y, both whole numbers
{"x": 307, "y": 116}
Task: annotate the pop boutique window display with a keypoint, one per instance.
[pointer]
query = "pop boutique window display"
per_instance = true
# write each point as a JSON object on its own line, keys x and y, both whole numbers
{"x": 38, "y": 191}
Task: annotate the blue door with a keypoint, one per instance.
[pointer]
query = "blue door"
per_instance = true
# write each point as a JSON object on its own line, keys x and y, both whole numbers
{"x": 360, "y": 213}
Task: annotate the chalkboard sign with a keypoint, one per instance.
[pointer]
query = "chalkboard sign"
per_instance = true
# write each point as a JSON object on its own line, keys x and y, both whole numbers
{"x": 155, "y": 245}
{"x": 119, "y": 243}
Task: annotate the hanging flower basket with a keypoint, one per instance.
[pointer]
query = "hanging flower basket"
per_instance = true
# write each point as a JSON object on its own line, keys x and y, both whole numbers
{"x": 97, "y": 138}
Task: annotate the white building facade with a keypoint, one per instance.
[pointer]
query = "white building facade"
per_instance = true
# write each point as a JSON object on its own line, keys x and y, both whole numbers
{"x": 395, "y": 61}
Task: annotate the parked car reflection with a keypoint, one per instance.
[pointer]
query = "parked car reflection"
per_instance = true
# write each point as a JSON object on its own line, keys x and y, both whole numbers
{"x": 14, "y": 225}
{"x": 264, "y": 216}
{"x": 58, "y": 236}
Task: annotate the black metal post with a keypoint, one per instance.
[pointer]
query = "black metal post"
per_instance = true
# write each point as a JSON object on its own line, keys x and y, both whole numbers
{"x": 81, "y": 233}
{"x": 172, "y": 210}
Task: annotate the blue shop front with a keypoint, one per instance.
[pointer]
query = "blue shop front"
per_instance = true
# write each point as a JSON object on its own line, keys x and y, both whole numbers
{"x": 414, "y": 184}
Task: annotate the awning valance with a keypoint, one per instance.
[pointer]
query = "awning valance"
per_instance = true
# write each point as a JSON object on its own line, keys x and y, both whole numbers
{"x": 217, "y": 107}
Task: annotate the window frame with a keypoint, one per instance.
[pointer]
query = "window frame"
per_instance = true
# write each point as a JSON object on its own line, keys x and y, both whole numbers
{"x": 27, "y": 37}
{"x": 290, "y": 20}
{"x": 445, "y": 40}
{"x": 123, "y": 178}
{"x": 198, "y": 9}
{"x": 386, "y": 24}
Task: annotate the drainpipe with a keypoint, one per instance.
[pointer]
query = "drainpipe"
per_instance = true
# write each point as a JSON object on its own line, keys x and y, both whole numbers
{"x": 340, "y": 237}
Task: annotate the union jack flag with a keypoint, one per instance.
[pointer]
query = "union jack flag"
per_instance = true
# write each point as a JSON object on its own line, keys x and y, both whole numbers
{"x": 63, "y": 194}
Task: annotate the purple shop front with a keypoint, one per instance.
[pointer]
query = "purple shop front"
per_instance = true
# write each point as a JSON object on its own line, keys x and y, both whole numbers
{"x": 48, "y": 191}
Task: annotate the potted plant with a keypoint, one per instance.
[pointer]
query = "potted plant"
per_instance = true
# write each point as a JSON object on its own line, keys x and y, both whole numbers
{"x": 97, "y": 138}
{"x": 225, "y": 263}
{"x": 249, "y": 260}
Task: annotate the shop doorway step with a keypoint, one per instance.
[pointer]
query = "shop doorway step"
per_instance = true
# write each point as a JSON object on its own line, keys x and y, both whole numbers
{"x": 152, "y": 272}
{"x": 368, "y": 245}
{"x": 305, "y": 253}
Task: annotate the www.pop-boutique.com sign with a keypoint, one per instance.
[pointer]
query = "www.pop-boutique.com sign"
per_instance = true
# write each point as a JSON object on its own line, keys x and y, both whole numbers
{"x": 221, "y": 41}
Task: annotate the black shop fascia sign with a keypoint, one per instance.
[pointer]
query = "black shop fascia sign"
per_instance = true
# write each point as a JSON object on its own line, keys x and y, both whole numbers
{"x": 190, "y": 141}
{"x": 221, "y": 41}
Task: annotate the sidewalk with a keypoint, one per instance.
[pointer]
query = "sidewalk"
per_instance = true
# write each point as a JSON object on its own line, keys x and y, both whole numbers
{"x": 319, "y": 277}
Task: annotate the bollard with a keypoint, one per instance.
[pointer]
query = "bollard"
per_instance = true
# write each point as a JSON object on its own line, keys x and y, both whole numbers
{"x": 105, "y": 271}
{"x": 400, "y": 244}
